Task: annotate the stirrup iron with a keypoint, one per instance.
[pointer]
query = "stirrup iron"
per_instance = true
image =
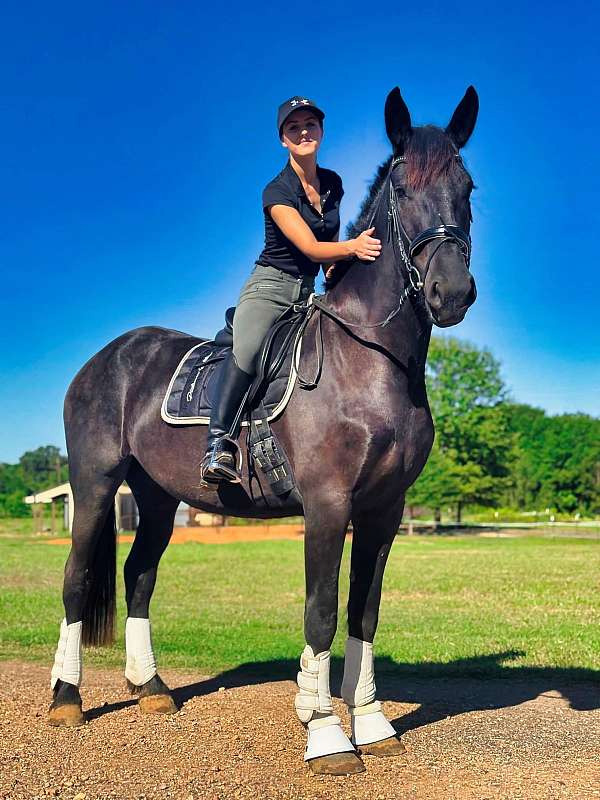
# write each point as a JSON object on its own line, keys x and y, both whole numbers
{"x": 222, "y": 463}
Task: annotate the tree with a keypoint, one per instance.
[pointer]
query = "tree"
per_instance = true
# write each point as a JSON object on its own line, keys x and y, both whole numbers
{"x": 438, "y": 484}
{"x": 43, "y": 467}
{"x": 474, "y": 447}
{"x": 558, "y": 462}
{"x": 37, "y": 469}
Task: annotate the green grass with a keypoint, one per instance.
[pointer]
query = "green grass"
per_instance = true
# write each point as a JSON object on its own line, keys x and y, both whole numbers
{"x": 451, "y": 606}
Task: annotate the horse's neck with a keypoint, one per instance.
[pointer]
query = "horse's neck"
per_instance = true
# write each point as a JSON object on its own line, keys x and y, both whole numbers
{"x": 371, "y": 290}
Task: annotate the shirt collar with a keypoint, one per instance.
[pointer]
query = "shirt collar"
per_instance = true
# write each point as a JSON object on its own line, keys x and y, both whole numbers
{"x": 296, "y": 183}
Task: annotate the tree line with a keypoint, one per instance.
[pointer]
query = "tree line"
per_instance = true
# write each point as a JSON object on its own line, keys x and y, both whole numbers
{"x": 37, "y": 470}
{"x": 492, "y": 451}
{"x": 488, "y": 451}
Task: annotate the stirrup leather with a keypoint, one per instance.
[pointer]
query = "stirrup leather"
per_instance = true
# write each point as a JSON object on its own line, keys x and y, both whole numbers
{"x": 222, "y": 462}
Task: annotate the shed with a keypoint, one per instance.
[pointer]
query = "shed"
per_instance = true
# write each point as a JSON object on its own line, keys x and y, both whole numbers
{"x": 126, "y": 510}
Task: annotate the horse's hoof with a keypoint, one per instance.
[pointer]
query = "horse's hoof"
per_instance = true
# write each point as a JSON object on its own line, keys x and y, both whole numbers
{"x": 386, "y": 747}
{"x": 337, "y": 764}
{"x": 157, "y": 704}
{"x": 67, "y": 716}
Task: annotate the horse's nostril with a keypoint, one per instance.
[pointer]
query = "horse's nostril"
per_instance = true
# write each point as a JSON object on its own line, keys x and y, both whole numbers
{"x": 435, "y": 298}
{"x": 472, "y": 292}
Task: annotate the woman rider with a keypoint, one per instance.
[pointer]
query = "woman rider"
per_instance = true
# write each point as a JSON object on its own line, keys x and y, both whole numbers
{"x": 301, "y": 209}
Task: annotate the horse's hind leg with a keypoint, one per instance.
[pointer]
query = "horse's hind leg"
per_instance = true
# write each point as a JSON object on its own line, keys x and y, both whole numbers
{"x": 374, "y": 532}
{"x": 88, "y": 589}
{"x": 157, "y": 512}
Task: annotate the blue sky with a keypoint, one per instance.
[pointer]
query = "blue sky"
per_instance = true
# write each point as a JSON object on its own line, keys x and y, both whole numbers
{"x": 137, "y": 137}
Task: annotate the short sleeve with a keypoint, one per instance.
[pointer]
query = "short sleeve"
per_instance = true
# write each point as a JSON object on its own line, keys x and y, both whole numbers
{"x": 338, "y": 188}
{"x": 276, "y": 194}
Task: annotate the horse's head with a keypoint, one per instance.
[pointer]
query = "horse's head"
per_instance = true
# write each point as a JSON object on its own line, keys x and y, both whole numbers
{"x": 432, "y": 190}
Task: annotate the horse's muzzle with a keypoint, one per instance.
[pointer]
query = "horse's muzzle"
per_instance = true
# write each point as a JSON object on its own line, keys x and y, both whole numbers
{"x": 447, "y": 303}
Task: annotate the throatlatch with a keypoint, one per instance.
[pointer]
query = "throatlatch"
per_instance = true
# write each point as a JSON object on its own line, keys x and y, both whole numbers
{"x": 67, "y": 660}
{"x": 369, "y": 725}
{"x": 315, "y": 708}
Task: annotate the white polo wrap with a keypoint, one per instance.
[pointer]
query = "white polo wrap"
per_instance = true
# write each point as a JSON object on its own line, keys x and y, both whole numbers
{"x": 326, "y": 737}
{"x": 358, "y": 691}
{"x": 314, "y": 695}
{"x": 141, "y": 664}
{"x": 67, "y": 660}
{"x": 358, "y": 683}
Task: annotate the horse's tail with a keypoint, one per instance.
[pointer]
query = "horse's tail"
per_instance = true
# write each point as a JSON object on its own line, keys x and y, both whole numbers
{"x": 100, "y": 606}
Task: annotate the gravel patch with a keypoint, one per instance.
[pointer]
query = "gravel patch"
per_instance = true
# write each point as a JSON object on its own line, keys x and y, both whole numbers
{"x": 466, "y": 740}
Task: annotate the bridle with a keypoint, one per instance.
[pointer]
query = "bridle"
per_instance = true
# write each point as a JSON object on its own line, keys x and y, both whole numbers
{"x": 396, "y": 232}
{"x": 443, "y": 233}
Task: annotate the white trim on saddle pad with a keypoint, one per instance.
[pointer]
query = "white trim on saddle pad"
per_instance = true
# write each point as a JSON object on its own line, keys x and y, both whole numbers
{"x": 277, "y": 411}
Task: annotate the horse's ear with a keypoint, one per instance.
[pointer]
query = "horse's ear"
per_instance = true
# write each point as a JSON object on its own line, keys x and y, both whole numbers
{"x": 464, "y": 118}
{"x": 397, "y": 120}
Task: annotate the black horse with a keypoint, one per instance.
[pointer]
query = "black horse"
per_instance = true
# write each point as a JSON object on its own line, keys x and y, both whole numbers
{"x": 356, "y": 441}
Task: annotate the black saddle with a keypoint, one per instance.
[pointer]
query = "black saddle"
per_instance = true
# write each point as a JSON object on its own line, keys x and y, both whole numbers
{"x": 224, "y": 337}
{"x": 190, "y": 394}
{"x": 189, "y": 398}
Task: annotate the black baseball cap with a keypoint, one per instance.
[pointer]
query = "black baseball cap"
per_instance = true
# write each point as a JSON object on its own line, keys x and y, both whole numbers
{"x": 294, "y": 103}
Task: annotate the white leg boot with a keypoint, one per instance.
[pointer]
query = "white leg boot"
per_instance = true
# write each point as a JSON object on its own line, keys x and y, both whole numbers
{"x": 140, "y": 669}
{"x": 67, "y": 660}
{"x": 315, "y": 709}
{"x": 141, "y": 664}
{"x": 66, "y": 706}
{"x": 358, "y": 691}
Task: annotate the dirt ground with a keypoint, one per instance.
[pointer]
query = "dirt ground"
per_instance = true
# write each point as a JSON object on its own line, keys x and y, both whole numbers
{"x": 236, "y": 736}
{"x": 221, "y": 534}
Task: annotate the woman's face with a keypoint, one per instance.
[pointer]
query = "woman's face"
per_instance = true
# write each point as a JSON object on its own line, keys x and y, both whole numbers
{"x": 302, "y": 133}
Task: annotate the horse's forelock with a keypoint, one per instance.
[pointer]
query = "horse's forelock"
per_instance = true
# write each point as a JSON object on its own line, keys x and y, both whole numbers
{"x": 430, "y": 155}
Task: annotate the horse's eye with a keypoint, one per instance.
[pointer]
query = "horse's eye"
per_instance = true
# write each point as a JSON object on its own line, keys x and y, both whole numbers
{"x": 400, "y": 191}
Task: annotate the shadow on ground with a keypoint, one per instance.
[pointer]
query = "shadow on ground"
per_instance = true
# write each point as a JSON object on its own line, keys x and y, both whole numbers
{"x": 440, "y": 690}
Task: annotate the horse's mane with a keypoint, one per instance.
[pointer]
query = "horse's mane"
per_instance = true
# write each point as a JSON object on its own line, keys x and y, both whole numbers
{"x": 429, "y": 155}
{"x": 360, "y": 223}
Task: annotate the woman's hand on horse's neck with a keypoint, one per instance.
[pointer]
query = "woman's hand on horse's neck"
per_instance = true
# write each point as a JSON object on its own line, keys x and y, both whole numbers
{"x": 368, "y": 292}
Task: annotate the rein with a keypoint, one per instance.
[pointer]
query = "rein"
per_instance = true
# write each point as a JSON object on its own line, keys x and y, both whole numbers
{"x": 396, "y": 230}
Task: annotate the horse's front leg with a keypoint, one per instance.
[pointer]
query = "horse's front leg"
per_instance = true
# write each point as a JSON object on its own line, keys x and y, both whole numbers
{"x": 373, "y": 534}
{"x": 328, "y": 750}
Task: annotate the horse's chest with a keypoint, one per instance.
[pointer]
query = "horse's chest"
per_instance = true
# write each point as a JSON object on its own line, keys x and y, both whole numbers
{"x": 399, "y": 447}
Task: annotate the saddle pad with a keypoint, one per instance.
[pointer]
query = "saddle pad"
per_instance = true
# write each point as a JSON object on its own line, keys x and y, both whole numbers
{"x": 190, "y": 392}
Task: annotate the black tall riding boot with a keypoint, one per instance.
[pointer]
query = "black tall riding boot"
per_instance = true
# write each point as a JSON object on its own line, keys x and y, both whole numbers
{"x": 220, "y": 462}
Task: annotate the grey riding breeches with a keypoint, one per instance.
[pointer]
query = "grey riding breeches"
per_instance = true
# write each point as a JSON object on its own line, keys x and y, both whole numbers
{"x": 264, "y": 297}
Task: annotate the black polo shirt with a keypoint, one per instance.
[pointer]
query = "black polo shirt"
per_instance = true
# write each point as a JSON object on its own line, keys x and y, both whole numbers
{"x": 287, "y": 190}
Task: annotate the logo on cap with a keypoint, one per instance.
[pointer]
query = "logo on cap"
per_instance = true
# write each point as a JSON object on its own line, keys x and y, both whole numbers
{"x": 295, "y": 102}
